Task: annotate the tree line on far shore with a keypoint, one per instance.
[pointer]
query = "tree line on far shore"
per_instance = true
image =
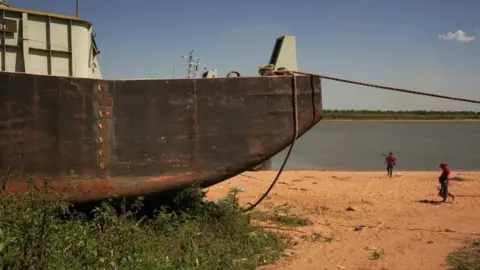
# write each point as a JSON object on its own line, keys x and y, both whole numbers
{"x": 400, "y": 115}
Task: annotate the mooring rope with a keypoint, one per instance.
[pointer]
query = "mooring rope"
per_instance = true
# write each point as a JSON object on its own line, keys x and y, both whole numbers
{"x": 295, "y": 137}
{"x": 271, "y": 70}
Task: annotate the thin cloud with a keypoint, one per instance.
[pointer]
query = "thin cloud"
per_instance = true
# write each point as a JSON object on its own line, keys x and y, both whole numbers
{"x": 459, "y": 35}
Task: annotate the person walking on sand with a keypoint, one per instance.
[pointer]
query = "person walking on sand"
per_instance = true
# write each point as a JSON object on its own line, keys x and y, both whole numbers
{"x": 391, "y": 161}
{"x": 444, "y": 179}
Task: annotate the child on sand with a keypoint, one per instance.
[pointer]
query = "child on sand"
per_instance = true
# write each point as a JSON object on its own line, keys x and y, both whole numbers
{"x": 391, "y": 161}
{"x": 443, "y": 179}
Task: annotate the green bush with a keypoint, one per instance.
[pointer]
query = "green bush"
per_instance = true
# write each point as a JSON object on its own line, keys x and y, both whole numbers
{"x": 40, "y": 234}
{"x": 467, "y": 258}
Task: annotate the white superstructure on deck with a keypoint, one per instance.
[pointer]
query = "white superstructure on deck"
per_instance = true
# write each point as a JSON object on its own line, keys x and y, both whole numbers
{"x": 48, "y": 44}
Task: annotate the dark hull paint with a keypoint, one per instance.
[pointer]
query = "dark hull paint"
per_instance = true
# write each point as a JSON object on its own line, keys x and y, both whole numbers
{"x": 99, "y": 138}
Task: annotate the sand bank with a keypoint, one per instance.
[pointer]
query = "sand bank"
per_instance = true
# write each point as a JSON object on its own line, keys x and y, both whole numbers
{"x": 397, "y": 215}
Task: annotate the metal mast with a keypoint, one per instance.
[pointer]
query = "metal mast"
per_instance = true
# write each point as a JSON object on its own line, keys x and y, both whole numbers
{"x": 193, "y": 64}
{"x": 77, "y": 9}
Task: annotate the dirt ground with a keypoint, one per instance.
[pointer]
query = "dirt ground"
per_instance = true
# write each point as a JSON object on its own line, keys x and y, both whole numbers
{"x": 397, "y": 216}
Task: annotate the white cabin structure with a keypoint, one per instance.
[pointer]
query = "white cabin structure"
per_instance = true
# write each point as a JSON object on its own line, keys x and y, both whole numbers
{"x": 44, "y": 43}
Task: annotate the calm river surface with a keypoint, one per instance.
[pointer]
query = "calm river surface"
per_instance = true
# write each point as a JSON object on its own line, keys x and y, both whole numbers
{"x": 359, "y": 146}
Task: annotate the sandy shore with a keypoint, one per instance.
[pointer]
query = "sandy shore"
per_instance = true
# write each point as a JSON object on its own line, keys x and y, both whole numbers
{"x": 397, "y": 215}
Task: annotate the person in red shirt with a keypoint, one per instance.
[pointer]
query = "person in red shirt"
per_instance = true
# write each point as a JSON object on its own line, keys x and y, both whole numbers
{"x": 444, "y": 179}
{"x": 391, "y": 161}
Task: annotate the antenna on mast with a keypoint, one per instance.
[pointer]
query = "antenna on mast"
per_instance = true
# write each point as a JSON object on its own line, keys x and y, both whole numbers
{"x": 193, "y": 64}
{"x": 76, "y": 9}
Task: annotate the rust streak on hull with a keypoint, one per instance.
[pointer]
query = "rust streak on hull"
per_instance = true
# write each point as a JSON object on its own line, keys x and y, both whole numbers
{"x": 144, "y": 137}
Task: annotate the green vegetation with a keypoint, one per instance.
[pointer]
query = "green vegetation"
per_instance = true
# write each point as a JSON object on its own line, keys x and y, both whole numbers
{"x": 399, "y": 115}
{"x": 377, "y": 254}
{"x": 188, "y": 234}
{"x": 318, "y": 237}
{"x": 282, "y": 216}
{"x": 467, "y": 258}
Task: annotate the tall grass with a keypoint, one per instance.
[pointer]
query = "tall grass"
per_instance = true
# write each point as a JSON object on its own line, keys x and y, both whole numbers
{"x": 467, "y": 258}
{"x": 190, "y": 234}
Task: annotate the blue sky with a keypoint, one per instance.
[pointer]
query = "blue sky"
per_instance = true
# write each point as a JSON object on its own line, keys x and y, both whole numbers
{"x": 394, "y": 42}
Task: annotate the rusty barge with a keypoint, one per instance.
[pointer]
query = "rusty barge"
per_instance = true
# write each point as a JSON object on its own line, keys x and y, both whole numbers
{"x": 99, "y": 138}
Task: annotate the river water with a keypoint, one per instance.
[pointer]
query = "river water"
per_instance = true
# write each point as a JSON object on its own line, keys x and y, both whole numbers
{"x": 358, "y": 145}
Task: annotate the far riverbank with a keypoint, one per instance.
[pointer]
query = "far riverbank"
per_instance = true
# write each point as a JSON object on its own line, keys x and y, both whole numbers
{"x": 399, "y": 120}
{"x": 355, "y": 115}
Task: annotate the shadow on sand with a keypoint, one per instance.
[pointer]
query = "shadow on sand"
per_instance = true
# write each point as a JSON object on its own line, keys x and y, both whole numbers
{"x": 431, "y": 202}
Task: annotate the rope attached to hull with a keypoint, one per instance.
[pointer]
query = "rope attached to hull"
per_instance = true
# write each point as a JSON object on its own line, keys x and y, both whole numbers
{"x": 295, "y": 136}
{"x": 271, "y": 70}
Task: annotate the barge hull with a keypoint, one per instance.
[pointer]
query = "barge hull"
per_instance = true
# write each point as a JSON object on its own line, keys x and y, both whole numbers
{"x": 98, "y": 138}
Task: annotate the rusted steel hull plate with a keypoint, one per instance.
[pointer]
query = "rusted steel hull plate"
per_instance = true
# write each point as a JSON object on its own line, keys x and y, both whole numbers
{"x": 99, "y": 138}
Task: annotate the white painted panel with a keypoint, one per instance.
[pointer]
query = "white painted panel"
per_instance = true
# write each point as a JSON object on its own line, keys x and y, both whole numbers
{"x": 95, "y": 70}
{"x": 14, "y": 60}
{"x": 59, "y": 35}
{"x": 30, "y": 45}
{"x": 81, "y": 39}
{"x": 60, "y": 64}
{"x": 37, "y": 32}
{"x": 38, "y": 62}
